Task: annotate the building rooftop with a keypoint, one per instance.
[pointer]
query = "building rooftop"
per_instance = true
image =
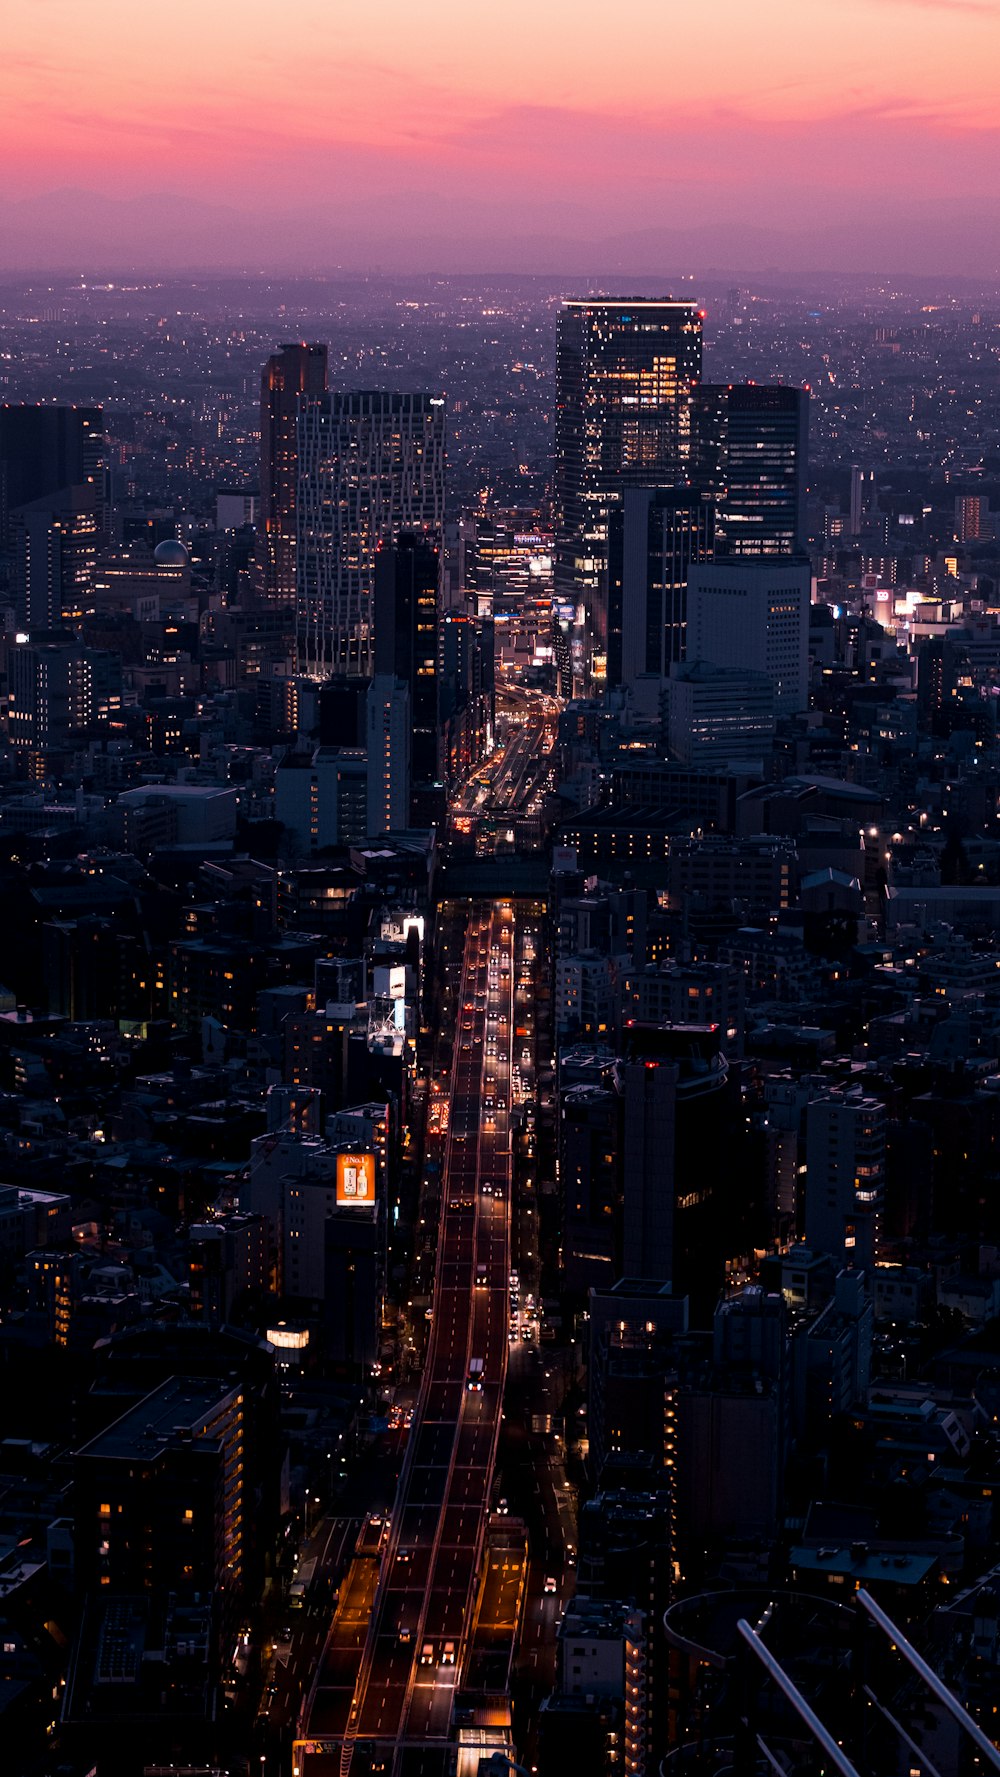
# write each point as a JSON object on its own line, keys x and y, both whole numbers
{"x": 179, "y": 1407}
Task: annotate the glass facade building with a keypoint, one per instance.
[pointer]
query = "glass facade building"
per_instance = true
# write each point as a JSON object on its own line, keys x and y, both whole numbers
{"x": 371, "y": 466}
{"x": 625, "y": 374}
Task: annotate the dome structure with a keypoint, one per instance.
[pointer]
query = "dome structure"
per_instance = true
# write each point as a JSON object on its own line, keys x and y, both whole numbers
{"x": 171, "y": 553}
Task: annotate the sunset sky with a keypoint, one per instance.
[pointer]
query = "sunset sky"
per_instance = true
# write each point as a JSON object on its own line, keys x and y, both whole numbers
{"x": 455, "y": 116}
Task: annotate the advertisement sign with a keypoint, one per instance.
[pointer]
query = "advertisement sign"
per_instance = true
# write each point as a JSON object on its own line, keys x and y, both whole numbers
{"x": 356, "y": 1178}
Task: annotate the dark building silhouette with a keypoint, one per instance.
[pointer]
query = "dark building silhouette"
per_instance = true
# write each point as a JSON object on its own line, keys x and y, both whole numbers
{"x": 679, "y": 1130}
{"x": 750, "y": 450}
{"x": 655, "y": 535}
{"x": 294, "y": 371}
{"x": 407, "y": 575}
{"x": 46, "y": 449}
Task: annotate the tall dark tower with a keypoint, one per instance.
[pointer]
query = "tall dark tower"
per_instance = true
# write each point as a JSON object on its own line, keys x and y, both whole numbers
{"x": 625, "y": 372}
{"x": 655, "y": 536}
{"x": 295, "y": 370}
{"x": 371, "y": 466}
{"x": 407, "y": 575}
{"x": 750, "y": 450}
{"x": 44, "y": 450}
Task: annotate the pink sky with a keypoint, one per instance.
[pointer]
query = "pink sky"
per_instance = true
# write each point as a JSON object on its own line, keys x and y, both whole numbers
{"x": 605, "y": 115}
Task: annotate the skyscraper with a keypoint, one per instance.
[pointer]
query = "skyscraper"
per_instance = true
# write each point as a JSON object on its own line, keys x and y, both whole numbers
{"x": 864, "y": 498}
{"x": 750, "y": 450}
{"x": 46, "y": 449}
{"x": 54, "y": 542}
{"x": 678, "y": 1123}
{"x": 845, "y": 1173}
{"x": 370, "y": 467}
{"x": 655, "y": 534}
{"x": 407, "y": 591}
{"x": 625, "y": 371}
{"x": 293, "y": 372}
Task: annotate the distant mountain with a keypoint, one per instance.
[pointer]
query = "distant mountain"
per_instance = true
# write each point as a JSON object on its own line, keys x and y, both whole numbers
{"x": 83, "y": 231}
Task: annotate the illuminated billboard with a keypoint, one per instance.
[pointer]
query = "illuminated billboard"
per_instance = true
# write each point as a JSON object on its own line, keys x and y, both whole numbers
{"x": 356, "y": 1178}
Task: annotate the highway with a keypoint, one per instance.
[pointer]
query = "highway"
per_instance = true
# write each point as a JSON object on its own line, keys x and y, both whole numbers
{"x": 397, "y": 1712}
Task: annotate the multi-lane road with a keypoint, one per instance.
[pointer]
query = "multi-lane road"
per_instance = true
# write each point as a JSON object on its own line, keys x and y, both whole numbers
{"x": 392, "y": 1702}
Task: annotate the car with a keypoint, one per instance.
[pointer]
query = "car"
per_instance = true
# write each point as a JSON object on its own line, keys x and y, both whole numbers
{"x": 550, "y": 1584}
{"x": 503, "y": 1507}
{"x": 403, "y": 1555}
{"x": 448, "y": 1655}
{"x": 405, "y": 1635}
{"x": 427, "y": 1654}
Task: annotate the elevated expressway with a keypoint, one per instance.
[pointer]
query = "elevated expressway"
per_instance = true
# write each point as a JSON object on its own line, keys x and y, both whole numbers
{"x": 386, "y": 1703}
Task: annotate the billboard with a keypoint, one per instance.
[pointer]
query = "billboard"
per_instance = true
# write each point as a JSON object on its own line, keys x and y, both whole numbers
{"x": 356, "y": 1178}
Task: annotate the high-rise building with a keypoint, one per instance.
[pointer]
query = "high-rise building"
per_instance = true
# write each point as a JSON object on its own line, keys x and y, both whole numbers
{"x": 46, "y": 449}
{"x": 845, "y": 1173}
{"x": 51, "y": 693}
{"x": 293, "y": 373}
{"x": 715, "y": 716}
{"x": 655, "y": 534}
{"x": 54, "y": 542}
{"x": 590, "y": 1182}
{"x": 389, "y": 746}
{"x": 678, "y": 1129}
{"x": 749, "y": 450}
{"x": 322, "y": 798}
{"x": 466, "y": 692}
{"x": 164, "y": 1496}
{"x": 407, "y": 592}
{"x": 972, "y": 518}
{"x": 371, "y": 466}
{"x": 625, "y": 371}
{"x": 864, "y": 499}
{"x": 752, "y": 612}
{"x": 632, "y": 1367}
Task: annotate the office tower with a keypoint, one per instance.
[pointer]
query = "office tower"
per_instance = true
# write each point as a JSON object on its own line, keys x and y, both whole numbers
{"x": 845, "y": 1173}
{"x": 734, "y": 1424}
{"x": 655, "y": 535}
{"x": 972, "y": 518}
{"x": 226, "y": 1258}
{"x": 467, "y": 692}
{"x": 753, "y": 613}
{"x": 294, "y": 373}
{"x": 322, "y": 798}
{"x": 54, "y": 542}
{"x": 864, "y": 499}
{"x": 715, "y": 716}
{"x": 590, "y": 1183}
{"x": 679, "y": 1128}
{"x": 46, "y": 449}
{"x": 407, "y": 577}
{"x": 749, "y": 450}
{"x": 354, "y": 1243}
{"x": 51, "y": 693}
{"x": 370, "y": 467}
{"x": 625, "y": 371}
{"x": 389, "y": 748}
{"x": 632, "y": 1376}
{"x": 342, "y": 706}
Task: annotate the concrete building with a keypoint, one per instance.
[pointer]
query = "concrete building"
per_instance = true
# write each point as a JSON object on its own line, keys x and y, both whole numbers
{"x": 715, "y": 716}
{"x": 845, "y": 1175}
{"x": 322, "y": 799}
{"x": 752, "y": 614}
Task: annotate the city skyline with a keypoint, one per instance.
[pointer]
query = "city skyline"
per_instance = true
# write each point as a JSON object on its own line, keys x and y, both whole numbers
{"x": 202, "y": 145}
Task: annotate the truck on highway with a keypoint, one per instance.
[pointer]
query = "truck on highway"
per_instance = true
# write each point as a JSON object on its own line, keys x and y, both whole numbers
{"x": 300, "y": 1585}
{"x": 474, "y": 1381}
